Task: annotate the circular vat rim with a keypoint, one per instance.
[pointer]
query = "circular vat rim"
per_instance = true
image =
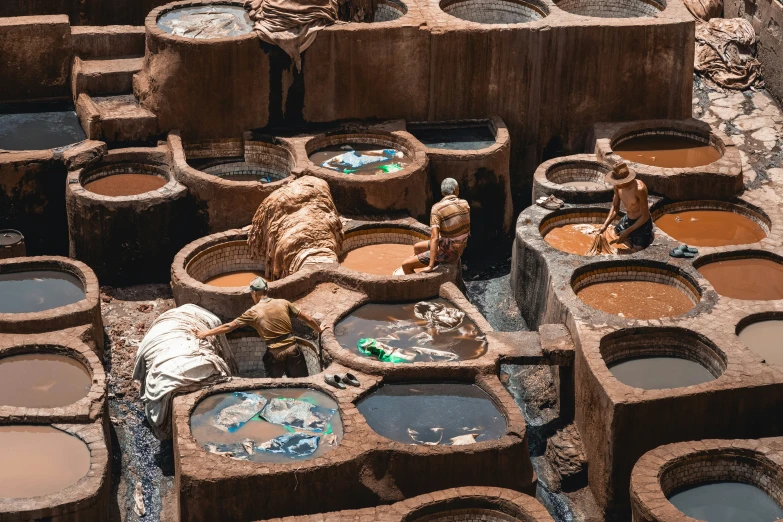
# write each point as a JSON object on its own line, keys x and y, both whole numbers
{"x": 554, "y": 219}
{"x": 539, "y": 7}
{"x": 660, "y": 5}
{"x": 758, "y": 317}
{"x": 543, "y": 182}
{"x": 734, "y": 255}
{"x": 203, "y": 246}
{"x": 517, "y": 509}
{"x": 151, "y": 22}
{"x": 77, "y": 179}
{"x": 416, "y": 230}
{"x": 752, "y": 212}
{"x": 395, "y": 5}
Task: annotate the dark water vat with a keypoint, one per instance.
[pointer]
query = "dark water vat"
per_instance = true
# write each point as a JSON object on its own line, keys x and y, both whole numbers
{"x": 38, "y": 290}
{"x": 42, "y": 380}
{"x": 208, "y": 434}
{"x": 656, "y": 373}
{"x": 417, "y": 413}
{"x": 397, "y": 326}
{"x": 764, "y": 339}
{"x": 727, "y": 502}
{"x": 455, "y": 138}
{"x": 39, "y": 127}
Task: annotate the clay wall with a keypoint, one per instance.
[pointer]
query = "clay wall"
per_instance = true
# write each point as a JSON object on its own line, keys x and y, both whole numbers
{"x": 84, "y": 12}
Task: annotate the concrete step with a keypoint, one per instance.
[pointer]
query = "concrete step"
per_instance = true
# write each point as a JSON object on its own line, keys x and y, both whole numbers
{"x": 115, "y": 118}
{"x": 107, "y": 41}
{"x": 104, "y": 76}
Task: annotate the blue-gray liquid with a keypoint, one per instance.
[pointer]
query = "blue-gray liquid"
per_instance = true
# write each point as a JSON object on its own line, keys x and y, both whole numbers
{"x": 40, "y": 130}
{"x": 435, "y": 413}
{"x": 455, "y": 138}
{"x": 39, "y": 290}
{"x": 655, "y": 373}
{"x": 727, "y": 502}
{"x": 207, "y": 22}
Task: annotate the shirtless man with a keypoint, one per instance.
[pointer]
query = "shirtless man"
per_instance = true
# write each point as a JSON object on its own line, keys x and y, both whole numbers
{"x": 635, "y": 229}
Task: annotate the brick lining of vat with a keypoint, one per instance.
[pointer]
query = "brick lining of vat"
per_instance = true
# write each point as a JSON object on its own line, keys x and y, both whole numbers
{"x": 91, "y": 174}
{"x": 496, "y": 11}
{"x": 744, "y": 209}
{"x": 578, "y": 167}
{"x": 359, "y": 238}
{"x": 388, "y": 10}
{"x": 738, "y": 253}
{"x": 613, "y": 9}
{"x": 249, "y": 349}
{"x": 230, "y": 256}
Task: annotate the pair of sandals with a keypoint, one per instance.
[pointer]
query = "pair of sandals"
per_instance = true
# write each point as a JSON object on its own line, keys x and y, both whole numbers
{"x": 550, "y": 203}
{"x": 340, "y": 380}
{"x": 684, "y": 251}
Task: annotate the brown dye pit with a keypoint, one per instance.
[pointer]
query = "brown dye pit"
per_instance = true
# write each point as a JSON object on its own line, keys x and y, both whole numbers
{"x": 118, "y": 185}
{"x": 234, "y": 279}
{"x": 664, "y": 150}
{"x": 39, "y": 460}
{"x": 711, "y": 228}
{"x": 571, "y": 238}
{"x": 42, "y": 381}
{"x": 360, "y": 158}
{"x": 585, "y": 185}
{"x": 749, "y": 279}
{"x": 380, "y": 259}
{"x": 764, "y": 338}
{"x": 636, "y": 299}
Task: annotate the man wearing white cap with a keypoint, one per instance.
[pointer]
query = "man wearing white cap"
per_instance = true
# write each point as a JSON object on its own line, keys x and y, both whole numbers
{"x": 272, "y": 320}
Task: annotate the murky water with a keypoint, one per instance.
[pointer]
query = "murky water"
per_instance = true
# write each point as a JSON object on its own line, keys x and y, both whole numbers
{"x": 118, "y": 185}
{"x": 38, "y": 290}
{"x": 234, "y": 279}
{"x": 455, "y": 138}
{"x": 39, "y": 460}
{"x": 433, "y": 413}
{"x": 727, "y": 502}
{"x": 656, "y": 373}
{"x": 378, "y": 259}
{"x": 207, "y": 22}
{"x": 636, "y": 299}
{"x": 747, "y": 279}
{"x": 574, "y": 238}
{"x": 206, "y": 425}
{"x": 360, "y": 158}
{"x": 397, "y": 326}
{"x": 661, "y": 150}
{"x": 51, "y": 128}
{"x": 711, "y": 228}
{"x": 764, "y": 338}
{"x": 10, "y": 237}
{"x": 42, "y": 380}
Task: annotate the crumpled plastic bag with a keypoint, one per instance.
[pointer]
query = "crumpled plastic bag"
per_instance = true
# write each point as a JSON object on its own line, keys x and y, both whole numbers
{"x": 233, "y": 417}
{"x": 294, "y": 445}
{"x": 724, "y": 53}
{"x": 297, "y": 414}
{"x": 385, "y": 353}
{"x": 439, "y": 316}
{"x": 349, "y": 161}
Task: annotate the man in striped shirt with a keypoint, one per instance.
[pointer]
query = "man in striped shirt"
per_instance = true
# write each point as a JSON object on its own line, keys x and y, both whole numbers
{"x": 450, "y": 223}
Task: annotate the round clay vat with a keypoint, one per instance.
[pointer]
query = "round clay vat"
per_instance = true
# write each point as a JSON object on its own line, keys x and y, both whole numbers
{"x": 200, "y": 100}
{"x": 228, "y": 178}
{"x": 613, "y": 8}
{"x": 389, "y": 10}
{"x": 265, "y": 421}
{"x": 209, "y": 21}
{"x": 636, "y": 291}
{"x": 477, "y": 504}
{"x": 574, "y": 179}
{"x": 565, "y": 230}
{"x": 405, "y": 190}
{"x": 11, "y": 244}
{"x": 761, "y": 333}
{"x": 131, "y": 237}
{"x": 495, "y": 12}
{"x": 379, "y": 250}
{"x": 661, "y": 358}
{"x": 749, "y": 275}
{"x": 476, "y": 153}
{"x": 712, "y": 223}
{"x": 707, "y": 480}
{"x": 677, "y": 159}
{"x": 249, "y": 349}
{"x": 75, "y": 290}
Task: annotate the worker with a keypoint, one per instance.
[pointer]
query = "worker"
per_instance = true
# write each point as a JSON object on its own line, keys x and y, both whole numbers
{"x": 635, "y": 229}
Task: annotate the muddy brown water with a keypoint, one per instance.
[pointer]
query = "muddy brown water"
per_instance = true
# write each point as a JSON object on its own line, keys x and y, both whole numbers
{"x": 397, "y": 326}
{"x": 568, "y": 238}
{"x": 329, "y": 157}
{"x": 42, "y": 380}
{"x": 586, "y": 185}
{"x": 764, "y": 338}
{"x": 39, "y": 460}
{"x": 636, "y": 299}
{"x": 661, "y": 150}
{"x": 378, "y": 259}
{"x": 118, "y": 185}
{"x": 656, "y": 373}
{"x": 38, "y": 290}
{"x": 415, "y": 413}
{"x": 748, "y": 279}
{"x": 711, "y": 228}
{"x": 727, "y": 502}
{"x": 233, "y": 279}
{"x": 258, "y": 430}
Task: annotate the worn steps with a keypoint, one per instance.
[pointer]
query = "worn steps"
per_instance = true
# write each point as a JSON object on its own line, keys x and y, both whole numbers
{"x": 104, "y": 76}
{"x": 115, "y": 118}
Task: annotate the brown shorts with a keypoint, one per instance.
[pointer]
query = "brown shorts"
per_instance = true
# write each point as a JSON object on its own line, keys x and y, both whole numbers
{"x": 289, "y": 361}
{"x": 449, "y": 251}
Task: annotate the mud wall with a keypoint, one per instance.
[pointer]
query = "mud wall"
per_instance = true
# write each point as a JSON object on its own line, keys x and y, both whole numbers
{"x": 84, "y": 12}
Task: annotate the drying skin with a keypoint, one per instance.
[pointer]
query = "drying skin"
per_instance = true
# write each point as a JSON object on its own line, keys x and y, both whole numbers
{"x": 748, "y": 279}
{"x": 42, "y": 380}
{"x": 663, "y": 150}
{"x": 360, "y": 158}
{"x": 39, "y": 460}
{"x": 727, "y": 502}
{"x": 38, "y": 290}
{"x": 764, "y": 339}
{"x": 378, "y": 259}
{"x": 234, "y": 279}
{"x": 711, "y": 228}
{"x": 636, "y": 299}
{"x": 207, "y": 22}
{"x": 118, "y": 185}
{"x": 656, "y": 373}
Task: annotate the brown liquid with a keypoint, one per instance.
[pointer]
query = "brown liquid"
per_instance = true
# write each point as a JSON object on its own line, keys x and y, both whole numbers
{"x": 764, "y": 339}
{"x": 39, "y": 460}
{"x": 327, "y": 158}
{"x": 568, "y": 238}
{"x": 118, "y": 185}
{"x": 749, "y": 279}
{"x": 711, "y": 228}
{"x": 380, "y": 259}
{"x": 667, "y": 151}
{"x": 636, "y": 299}
{"x": 232, "y": 279}
{"x": 589, "y": 185}
{"x": 42, "y": 381}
